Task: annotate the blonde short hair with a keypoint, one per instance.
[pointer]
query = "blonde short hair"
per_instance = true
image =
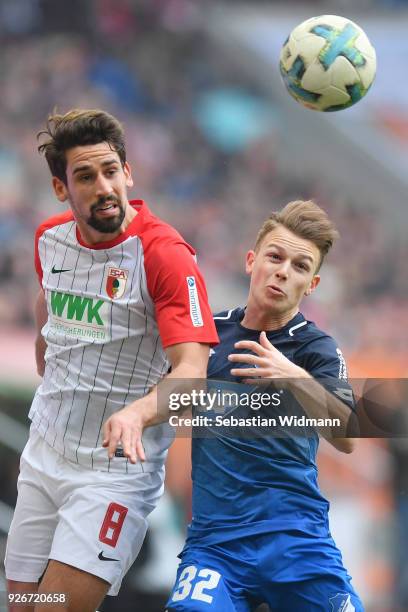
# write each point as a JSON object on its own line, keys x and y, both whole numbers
{"x": 305, "y": 219}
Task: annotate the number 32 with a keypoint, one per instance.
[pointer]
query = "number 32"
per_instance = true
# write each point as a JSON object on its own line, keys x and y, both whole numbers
{"x": 184, "y": 585}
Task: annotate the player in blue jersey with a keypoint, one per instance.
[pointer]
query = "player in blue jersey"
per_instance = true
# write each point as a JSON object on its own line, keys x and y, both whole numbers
{"x": 260, "y": 532}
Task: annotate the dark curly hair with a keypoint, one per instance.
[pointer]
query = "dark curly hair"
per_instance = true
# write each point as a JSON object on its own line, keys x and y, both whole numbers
{"x": 79, "y": 127}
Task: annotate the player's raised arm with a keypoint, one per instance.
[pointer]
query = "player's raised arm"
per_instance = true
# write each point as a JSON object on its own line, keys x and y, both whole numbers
{"x": 266, "y": 362}
{"x": 188, "y": 363}
{"x": 41, "y": 315}
{"x": 320, "y": 403}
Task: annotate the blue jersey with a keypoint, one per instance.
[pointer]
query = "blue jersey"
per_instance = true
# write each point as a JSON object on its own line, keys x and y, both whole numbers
{"x": 260, "y": 531}
{"x": 244, "y": 486}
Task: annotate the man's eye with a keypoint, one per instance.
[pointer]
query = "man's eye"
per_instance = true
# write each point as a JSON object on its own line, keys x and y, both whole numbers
{"x": 274, "y": 256}
{"x": 85, "y": 177}
{"x": 302, "y": 266}
{"x": 111, "y": 172}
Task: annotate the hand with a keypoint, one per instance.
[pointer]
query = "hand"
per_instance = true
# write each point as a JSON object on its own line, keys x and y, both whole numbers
{"x": 267, "y": 362}
{"x": 126, "y": 426}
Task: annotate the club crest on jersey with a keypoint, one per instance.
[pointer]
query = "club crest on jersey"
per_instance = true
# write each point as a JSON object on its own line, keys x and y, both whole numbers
{"x": 116, "y": 282}
{"x": 341, "y": 603}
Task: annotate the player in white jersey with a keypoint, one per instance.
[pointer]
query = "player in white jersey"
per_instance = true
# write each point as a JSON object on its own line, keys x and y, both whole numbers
{"x": 121, "y": 301}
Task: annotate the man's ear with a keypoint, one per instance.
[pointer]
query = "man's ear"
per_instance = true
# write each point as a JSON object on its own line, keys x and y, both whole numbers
{"x": 249, "y": 262}
{"x": 60, "y": 189}
{"x": 313, "y": 284}
{"x": 128, "y": 174}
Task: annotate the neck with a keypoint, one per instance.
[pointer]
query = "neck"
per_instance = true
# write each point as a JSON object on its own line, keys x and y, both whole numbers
{"x": 92, "y": 236}
{"x": 266, "y": 321}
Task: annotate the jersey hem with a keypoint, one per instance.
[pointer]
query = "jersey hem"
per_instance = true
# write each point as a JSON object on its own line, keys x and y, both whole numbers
{"x": 124, "y": 467}
{"x": 180, "y": 339}
{"x": 113, "y": 589}
{"x": 21, "y": 577}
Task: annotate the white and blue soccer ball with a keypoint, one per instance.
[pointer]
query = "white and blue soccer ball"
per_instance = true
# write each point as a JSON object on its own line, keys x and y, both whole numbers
{"x": 327, "y": 63}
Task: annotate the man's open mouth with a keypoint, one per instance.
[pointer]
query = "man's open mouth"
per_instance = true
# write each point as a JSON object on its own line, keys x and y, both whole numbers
{"x": 105, "y": 207}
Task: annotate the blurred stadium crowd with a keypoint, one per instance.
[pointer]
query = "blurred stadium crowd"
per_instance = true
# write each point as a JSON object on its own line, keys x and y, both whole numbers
{"x": 149, "y": 63}
{"x": 204, "y": 144}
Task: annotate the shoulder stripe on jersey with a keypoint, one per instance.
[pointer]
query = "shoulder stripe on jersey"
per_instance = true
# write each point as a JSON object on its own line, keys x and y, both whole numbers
{"x": 227, "y": 316}
{"x": 292, "y": 329}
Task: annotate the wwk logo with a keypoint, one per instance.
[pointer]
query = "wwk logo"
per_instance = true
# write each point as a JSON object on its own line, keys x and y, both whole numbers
{"x": 76, "y": 308}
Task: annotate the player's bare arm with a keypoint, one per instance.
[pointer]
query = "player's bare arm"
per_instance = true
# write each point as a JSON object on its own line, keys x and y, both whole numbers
{"x": 267, "y": 362}
{"x": 188, "y": 362}
{"x": 41, "y": 315}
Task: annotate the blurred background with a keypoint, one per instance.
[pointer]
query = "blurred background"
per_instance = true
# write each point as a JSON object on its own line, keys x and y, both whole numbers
{"x": 216, "y": 144}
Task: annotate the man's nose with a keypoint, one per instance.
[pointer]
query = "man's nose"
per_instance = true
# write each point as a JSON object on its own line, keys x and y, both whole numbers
{"x": 283, "y": 270}
{"x": 103, "y": 186}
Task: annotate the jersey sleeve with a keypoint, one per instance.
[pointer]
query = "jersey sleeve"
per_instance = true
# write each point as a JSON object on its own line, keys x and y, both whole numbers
{"x": 49, "y": 223}
{"x": 323, "y": 359}
{"x": 179, "y": 294}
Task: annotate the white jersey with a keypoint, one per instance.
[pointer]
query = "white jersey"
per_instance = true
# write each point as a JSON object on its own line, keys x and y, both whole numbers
{"x": 112, "y": 309}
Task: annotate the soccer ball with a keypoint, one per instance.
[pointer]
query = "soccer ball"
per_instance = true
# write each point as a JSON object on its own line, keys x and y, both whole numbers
{"x": 328, "y": 63}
